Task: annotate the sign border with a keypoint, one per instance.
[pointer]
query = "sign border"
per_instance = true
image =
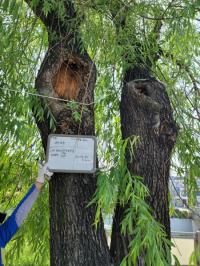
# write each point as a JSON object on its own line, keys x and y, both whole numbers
{"x": 73, "y": 171}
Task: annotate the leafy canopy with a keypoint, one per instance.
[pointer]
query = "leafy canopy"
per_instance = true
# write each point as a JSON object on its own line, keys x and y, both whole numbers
{"x": 168, "y": 34}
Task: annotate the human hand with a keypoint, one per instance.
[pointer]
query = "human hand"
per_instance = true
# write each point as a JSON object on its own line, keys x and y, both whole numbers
{"x": 43, "y": 172}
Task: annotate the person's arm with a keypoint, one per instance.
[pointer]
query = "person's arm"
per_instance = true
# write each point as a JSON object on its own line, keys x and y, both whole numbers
{"x": 11, "y": 225}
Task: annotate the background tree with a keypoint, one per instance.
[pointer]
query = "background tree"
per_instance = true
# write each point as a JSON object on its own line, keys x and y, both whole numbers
{"x": 145, "y": 112}
{"x": 141, "y": 31}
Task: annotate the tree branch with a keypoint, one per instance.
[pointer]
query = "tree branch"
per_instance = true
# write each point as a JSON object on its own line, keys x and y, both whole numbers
{"x": 59, "y": 24}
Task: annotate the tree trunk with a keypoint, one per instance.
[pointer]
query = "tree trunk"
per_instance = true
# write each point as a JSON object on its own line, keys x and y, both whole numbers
{"x": 146, "y": 112}
{"x": 68, "y": 73}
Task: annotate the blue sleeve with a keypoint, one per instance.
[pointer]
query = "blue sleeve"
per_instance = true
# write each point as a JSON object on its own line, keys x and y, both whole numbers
{"x": 10, "y": 226}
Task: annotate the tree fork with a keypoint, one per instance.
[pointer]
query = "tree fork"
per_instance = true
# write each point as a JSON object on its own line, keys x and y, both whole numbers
{"x": 68, "y": 72}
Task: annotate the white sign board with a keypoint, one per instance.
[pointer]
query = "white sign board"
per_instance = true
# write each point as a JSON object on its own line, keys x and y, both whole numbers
{"x": 71, "y": 154}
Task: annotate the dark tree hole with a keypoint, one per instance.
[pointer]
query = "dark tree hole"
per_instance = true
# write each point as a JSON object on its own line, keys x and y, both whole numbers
{"x": 142, "y": 90}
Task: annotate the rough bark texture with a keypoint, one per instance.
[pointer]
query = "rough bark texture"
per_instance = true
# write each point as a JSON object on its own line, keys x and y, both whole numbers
{"x": 146, "y": 112}
{"x": 67, "y": 72}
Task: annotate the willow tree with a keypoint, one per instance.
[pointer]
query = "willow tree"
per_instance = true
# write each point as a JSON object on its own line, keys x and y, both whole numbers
{"x": 145, "y": 37}
{"x": 133, "y": 45}
{"x": 68, "y": 73}
{"x": 146, "y": 112}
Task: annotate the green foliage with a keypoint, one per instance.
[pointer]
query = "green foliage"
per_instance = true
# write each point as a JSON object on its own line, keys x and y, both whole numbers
{"x": 194, "y": 258}
{"x": 118, "y": 186}
{"x": 21, "y": 46}
{"x": 49, "y": 115}
{"x": 76, "y": 110}
{"x": 185, "y": 214}
{"x": 147, "y": 235}
{"x": 164, "y": 33}
{"x": 177, "y": 263}
{"x": 18, "y": 166}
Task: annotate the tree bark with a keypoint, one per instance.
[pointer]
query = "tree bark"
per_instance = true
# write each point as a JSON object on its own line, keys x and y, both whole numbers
{"x": 146, "y": 112}
{"x": 67, "y": 72}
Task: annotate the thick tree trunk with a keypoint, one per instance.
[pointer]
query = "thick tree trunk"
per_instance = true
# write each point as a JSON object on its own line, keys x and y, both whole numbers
{"x": 68, "y": 73}
{"x": 146, "y": 112}
{"x": 74, "y": 239}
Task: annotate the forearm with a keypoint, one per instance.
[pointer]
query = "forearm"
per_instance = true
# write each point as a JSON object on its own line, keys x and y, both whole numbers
{"x": 26, "y": 204}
